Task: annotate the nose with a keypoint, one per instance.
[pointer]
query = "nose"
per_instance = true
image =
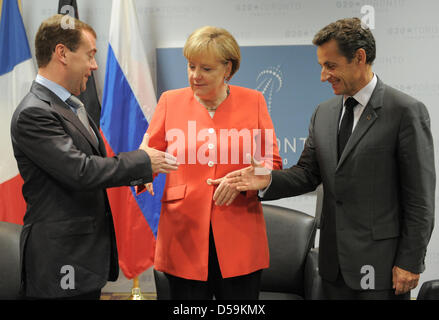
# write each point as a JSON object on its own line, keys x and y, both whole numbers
{"x": 324, "y": 75}
{"x": 197, "y": 75}
{"x": 94, "y": 65}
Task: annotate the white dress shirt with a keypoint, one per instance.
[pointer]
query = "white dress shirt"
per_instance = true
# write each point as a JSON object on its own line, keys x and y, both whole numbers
{"x": 60, "y": 91}
{"x": 362, "y": 97}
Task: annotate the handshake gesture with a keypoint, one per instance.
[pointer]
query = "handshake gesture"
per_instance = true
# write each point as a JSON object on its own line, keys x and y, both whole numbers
{"x": 161, "y": 162}
{"x": 254, "y": 177}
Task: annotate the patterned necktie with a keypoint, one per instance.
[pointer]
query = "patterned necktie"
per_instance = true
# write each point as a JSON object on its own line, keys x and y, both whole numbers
{"x": 80, "y": 112}
{"x": 346, "y": 125}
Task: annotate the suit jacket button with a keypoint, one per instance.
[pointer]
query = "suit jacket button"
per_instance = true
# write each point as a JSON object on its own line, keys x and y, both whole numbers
{"x": 339, "y": 202}
{"x": 210, "y": 163}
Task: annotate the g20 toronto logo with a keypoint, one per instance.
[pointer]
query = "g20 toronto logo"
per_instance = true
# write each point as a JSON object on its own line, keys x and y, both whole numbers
{"x": 269, "y": 81}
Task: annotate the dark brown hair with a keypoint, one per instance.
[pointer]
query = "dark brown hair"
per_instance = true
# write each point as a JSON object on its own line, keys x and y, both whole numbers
{"x": 54, "y": 31}
{"x": 350, "y": 34}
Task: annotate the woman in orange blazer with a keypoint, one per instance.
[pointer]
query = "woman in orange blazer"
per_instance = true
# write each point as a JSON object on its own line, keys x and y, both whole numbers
{"x": 207, "y": 249}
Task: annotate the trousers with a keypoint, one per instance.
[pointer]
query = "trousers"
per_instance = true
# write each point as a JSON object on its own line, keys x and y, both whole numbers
{"x": 245, "y": 287}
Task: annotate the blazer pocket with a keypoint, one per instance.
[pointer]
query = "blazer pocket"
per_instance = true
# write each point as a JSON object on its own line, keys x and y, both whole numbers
{"x": 76, "y": 226}
{"x": 174, "y": 193}
{"x": 385, "y": 231}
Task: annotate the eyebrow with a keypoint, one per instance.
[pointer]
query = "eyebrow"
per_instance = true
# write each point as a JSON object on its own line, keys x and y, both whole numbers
{"x": 326, "y": 63}
{"x": 203, "y": 64}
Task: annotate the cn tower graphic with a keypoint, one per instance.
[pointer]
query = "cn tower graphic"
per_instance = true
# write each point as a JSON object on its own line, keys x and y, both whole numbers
{"x": 269, "y": 81}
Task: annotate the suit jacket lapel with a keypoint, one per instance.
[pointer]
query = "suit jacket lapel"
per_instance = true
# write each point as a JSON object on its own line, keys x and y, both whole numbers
{"x": 101, "y": 143}
{"x": 367, "y": 119}
{"x": 333, "y": 130}
{"x": 46, "y": 95}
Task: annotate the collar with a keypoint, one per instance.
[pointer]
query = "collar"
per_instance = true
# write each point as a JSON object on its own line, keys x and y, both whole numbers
{"x": 60, "y": 91}
{"x": 363, "y": 96}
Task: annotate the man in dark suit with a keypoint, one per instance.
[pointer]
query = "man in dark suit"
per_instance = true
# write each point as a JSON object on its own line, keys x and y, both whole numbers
{"x": 68, "y": 247}
{"x": 374, "y": 156}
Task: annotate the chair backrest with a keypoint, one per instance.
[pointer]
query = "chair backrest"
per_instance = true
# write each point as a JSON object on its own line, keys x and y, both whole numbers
{"x": 291, "y": 235}
{"x": 429, "y": 290}
{"x": 9, "y": 260}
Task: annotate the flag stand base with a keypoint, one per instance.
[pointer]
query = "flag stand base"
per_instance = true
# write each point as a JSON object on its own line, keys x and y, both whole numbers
{"x": 136, "y": 294}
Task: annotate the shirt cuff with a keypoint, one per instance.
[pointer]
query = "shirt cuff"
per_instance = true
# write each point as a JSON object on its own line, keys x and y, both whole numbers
{"x": 262, "y": 192}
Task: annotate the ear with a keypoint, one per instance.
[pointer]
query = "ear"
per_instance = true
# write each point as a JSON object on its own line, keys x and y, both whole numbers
{"x": 360, "y": 56}
{"x": 60, "y": 53}
{"x": 228, "y": 70}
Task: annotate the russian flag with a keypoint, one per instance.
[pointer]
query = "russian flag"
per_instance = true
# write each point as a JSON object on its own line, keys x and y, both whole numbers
{"x": 17, "y": 72}
{"x": 128, "y": 103}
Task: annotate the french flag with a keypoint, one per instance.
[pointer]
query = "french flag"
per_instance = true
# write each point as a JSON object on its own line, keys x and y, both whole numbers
{"x": 128, "y": 104}
{"x": 17, "y": 72}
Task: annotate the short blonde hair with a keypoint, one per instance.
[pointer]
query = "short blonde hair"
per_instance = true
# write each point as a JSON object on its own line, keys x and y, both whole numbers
{"x": 217, "y": 41}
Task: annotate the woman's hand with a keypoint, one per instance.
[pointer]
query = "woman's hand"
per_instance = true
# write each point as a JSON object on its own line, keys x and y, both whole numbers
{"x": 149, "y": 187}
{"x": 225, "y": 193}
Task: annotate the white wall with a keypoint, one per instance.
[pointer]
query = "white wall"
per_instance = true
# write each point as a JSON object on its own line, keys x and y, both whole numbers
{"x": 406, "y": 32}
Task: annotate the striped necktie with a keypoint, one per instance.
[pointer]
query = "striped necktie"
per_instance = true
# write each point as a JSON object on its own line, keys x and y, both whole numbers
{"x": 80, "y": 112}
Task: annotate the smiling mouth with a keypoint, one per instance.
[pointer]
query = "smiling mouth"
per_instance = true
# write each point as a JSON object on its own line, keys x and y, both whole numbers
{"x": 335, "y": 83}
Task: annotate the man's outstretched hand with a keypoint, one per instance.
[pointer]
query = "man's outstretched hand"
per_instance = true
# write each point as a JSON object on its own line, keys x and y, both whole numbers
{"x": 161, "y": 162}
{"x": 254, "y": 177}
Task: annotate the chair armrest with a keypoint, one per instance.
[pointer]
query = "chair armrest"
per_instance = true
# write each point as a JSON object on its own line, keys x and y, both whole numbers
{"x": 312, "y": 280}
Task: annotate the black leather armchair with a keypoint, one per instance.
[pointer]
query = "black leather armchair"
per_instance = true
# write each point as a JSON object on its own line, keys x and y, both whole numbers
{"x": 293, "y": 272}
{"x": 429, "y": 290}
{"x": 9, "y": 261}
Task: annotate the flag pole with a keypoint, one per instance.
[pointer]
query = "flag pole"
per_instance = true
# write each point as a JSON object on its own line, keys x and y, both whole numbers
{"x": 136, "y": 294}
